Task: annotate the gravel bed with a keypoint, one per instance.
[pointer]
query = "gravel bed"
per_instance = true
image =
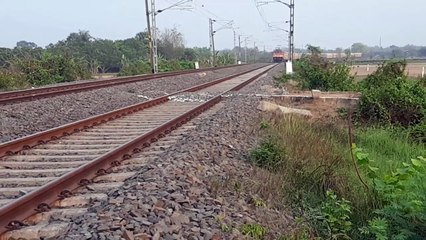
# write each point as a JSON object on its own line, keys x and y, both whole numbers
{"x": 266, "y": 85}
{"x": 22, "y": 119}
{"x": 199, "y": 190}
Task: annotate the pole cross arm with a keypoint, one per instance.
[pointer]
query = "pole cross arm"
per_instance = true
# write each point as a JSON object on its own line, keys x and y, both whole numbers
{"x": 178, "y": 4}
{"x": 288, "y": 5}
{"x": 261, "y": 3}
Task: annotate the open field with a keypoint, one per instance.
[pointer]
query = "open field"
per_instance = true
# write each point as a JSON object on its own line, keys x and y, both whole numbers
{"x": 413, "y": 69}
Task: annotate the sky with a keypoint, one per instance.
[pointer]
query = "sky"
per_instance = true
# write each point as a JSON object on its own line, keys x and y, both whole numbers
{"x": 325, "y": 23}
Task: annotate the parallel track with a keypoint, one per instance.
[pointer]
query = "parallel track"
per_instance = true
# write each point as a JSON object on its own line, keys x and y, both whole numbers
{"x": 30, "y": 94}
{"x": 38, "y": 170}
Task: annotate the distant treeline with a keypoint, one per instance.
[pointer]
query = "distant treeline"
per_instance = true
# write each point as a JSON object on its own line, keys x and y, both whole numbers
{"x": 81, "y": 56}
{"x": 383, "y": 53}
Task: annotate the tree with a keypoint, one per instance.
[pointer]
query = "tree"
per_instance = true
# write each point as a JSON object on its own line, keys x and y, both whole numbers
{"x": 359, "y": 48}
{"x": 25, "y": 44}
{"x": 78, "y": 38}
{"x": 314, "y": 50}
{"x": 133, "y": 48}
{"x": 5, "y": 55}
{"x": 107, "y": 54}
{"x": 422, "y": 52}
{"x": 171, "y": 44}
{"x": 397, "y": 53}
{"x": 189, "y": 54}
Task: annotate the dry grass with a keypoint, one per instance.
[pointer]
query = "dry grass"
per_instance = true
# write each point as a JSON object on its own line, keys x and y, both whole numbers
{"x": 412, "y": 70}
{"x": 316, "y": 160}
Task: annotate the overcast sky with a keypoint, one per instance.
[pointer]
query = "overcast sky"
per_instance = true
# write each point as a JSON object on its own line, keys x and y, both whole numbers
{"x": 325, "y": 23}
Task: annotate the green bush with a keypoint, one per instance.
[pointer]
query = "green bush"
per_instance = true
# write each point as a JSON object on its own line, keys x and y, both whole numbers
{"x": 255, "y": 231}
{"x": 144, "y": 67}
{"x": 418, "y": 132}
{"x": 315, "y": 72}
{"x": 12, "y": 80}
{"x": 401, "y": 212}
{"x": 268, "y": 154}
{"x": 50, "y": 68}
{"x": 135, "y": 68}
{"x": 388, "y": 97}
{"x": 284, "y": 78}
{"x": 336, "y": 214}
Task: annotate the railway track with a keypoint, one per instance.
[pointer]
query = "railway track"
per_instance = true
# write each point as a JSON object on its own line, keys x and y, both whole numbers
{"x": 59, "y": 171}
{"x": 30, "y": 94}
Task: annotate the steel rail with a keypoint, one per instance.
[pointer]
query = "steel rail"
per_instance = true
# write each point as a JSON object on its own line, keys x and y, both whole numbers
{"x": 14, "y": 146}
{"x": 37, "y": 200}
{"x": 29, "y": 94}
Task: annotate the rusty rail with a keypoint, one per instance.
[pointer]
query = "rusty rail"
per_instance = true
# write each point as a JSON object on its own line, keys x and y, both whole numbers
{"x": 30, "y": 141}
{"x": 28, "y": 94}
{"x": 36, "y": 201}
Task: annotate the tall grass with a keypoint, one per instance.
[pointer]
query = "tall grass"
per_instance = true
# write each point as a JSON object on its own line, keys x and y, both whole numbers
{"x": 388, "y": 149}
{"x": 309, "y": 158}
{"x": 316, "y": 159}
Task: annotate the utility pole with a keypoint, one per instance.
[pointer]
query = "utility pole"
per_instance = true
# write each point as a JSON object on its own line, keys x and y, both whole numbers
{"x": 290, "y": 5}
{"x": 245, "y": 46}
{"x": 151, "y": 15}
{"x": 151, "y": 47}
{"x": 254, "y": 52}
{"x": 291, "y": 38}
{"x": 154, "y": 37}
{"x": 235, "y": 46}
{"x": 239, "y": 47}
{"x": 245, "y": 50}
{"x": 212, "y": 50}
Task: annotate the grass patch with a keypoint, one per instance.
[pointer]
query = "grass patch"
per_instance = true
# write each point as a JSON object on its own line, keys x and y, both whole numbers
{"x": 12, "y": 81}
{"x": 388, "y": 149}
{"x": 311, "y": 166}
{"x": 255, "y": 231}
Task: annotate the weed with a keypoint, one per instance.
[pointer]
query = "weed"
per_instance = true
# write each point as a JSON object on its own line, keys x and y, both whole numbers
{"x": 336, "y": 214}
{"x": 238, "y": 188}
{"x": 264, "y": 125}
{"x": 216, "y": 185}
{"x": 417, "y": 133}
{"x": 284, "y": 78}
{"x": 402, "y": 197}
{"x": 342, "y": 113}
{"x": 257, "y": 202}
{"x": 267, "y": 155}
{"x": 378, "y": 227}
{"x": 225, "y": 228}
{"x": 302, "y": 231}
{"x": 387, "y": 147}
{"x": 254, "y": 230}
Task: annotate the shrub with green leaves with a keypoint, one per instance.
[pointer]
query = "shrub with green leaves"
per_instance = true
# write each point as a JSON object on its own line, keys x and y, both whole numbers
{"x": 135, "y": 68}
{"x": 284, "y": 78}
{"x": 50, "y": 68}
{"x": 12, "y": 80}
{"x": 254, "y": 231}
{"x": 144, "y": 67}
{"x": 316, "y": 72}
{"x": 418, "y": 132}
{"x": 388, "y": 97}
{"x": 401, "y": 193}
{"x": 336, "y": 214}
{"x": 268, "y": 154}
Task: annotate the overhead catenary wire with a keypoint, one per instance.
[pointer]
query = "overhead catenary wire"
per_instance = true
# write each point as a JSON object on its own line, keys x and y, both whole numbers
{"x": 290, "y": 31}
